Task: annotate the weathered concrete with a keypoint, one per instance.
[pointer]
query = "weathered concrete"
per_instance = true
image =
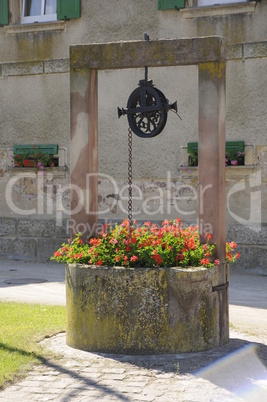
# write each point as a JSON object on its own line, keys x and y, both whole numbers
{"x": 134, "y": 54}
{"x": 144, "y": 310}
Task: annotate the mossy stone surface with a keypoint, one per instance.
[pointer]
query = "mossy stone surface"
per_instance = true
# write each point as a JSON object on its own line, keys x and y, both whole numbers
{"x": 142, "y": 310}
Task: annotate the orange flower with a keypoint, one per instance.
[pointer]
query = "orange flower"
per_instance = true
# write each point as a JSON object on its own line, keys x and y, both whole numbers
{"x": 179, "y": 257}
{"x": 157, "y": 258}
{"x": 204, "y": 261}
{"x": 208, "y": 235}
{"x": 229, "y": 256}
{"x": 134, "y": 258}
{"x": 217, "y": 262}
{"x": 133, "y": 240}
{"x": 125, "y": 223}
{"x": 94, "y": 241}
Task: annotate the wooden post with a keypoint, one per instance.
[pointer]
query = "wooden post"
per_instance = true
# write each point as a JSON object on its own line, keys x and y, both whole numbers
{"x": 84, "y": 151}
{"x": 211, "y": 172}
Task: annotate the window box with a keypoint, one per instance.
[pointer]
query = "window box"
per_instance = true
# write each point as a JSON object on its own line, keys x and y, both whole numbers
{"x": 234, "y": 153}
{"x": 38, "y": 156}
{"x": 28, "y": 163}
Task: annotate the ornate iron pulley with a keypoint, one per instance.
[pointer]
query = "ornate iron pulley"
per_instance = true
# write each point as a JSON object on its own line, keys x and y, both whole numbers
{"x": 147, "y": 109}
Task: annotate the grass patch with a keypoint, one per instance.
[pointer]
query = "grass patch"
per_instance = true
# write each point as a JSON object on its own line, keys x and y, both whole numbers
{"x": 21, "y": 327}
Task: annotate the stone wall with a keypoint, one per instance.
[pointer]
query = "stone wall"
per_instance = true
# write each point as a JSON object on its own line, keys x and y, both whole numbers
{"x": 30, "y": 239}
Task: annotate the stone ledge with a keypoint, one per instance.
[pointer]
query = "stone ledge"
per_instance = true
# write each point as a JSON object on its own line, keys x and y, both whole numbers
{"x": 235, "y": 51}
{"x": 34, "y": 67}
{"x": 218, "y": 10}
{"x": 238, "y": 172}
{"x": 238, "y": 51}
{"x": 37, "y": 27}
{"x": 56, "y": 66}
{"x": 255, "y": 50}
{"x": 49, "y": 172}
{"x": 22, "y": 68}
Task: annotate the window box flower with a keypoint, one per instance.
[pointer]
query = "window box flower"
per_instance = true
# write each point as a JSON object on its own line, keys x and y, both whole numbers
{"x": 234, "y": 153}
{"x": 32, "y": 156}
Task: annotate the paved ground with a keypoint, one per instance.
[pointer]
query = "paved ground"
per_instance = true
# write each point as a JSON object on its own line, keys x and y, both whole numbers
{"x": 236, "y": 372}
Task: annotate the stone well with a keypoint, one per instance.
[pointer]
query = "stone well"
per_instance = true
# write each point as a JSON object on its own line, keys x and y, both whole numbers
{"x": 144, "y": 310}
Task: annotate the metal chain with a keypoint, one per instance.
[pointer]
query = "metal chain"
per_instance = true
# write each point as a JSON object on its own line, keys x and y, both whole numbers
{"x": 130, "y": 177}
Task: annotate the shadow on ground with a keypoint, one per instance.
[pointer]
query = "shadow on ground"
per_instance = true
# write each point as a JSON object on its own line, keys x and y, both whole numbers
{"x": 239, "y": 367}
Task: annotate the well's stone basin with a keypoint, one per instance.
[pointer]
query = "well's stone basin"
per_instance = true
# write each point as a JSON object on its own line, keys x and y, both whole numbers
{"x": 145, "y": 310}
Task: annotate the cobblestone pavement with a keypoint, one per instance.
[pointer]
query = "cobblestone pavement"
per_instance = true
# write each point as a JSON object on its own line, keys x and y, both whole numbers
{"x": 235, "y": 372}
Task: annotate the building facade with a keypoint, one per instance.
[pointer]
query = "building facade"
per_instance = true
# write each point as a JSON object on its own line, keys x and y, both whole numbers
{"x": 35, "y": 110}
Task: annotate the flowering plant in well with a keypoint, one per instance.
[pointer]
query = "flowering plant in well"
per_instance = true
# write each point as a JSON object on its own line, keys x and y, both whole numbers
{"x": 148, "y": 246}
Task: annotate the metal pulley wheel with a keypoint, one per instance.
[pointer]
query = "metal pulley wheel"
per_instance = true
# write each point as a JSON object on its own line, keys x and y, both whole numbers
{"x": 147, "y": 114}
{"x": 147, "y": 110}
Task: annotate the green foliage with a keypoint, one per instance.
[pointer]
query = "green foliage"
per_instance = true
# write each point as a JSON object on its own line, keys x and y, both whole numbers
{"x": 21, "y": 327}
{"x": 147, "y": 246}
{"x": 37, "y": 156}
{"x": 232, "y": 158}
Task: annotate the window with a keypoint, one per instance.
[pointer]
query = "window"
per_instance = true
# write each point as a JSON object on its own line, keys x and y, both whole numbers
{"x": 31, "y": 11}
{"x": 178, "y": 4}
{"x": 205, "y": 3}
{"x": 39, "y": 11}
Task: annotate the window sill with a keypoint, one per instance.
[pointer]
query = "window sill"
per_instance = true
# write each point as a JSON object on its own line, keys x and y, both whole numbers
{"x": 49, "y": 172}
{"x": 198, "y": 12}
{"x": 231, "y": 172}
{"x": 36, "y": 27}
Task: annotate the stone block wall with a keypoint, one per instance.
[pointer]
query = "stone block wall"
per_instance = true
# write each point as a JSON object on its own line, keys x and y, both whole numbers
{"x": 31, "y": 239}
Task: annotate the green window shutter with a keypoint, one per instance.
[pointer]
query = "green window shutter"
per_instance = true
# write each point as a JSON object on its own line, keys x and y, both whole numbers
{"x": 230, "y": 146}
{"x": 168, "y": 4}
{"x": 67, "y": 9}
{"x": 3, "y": 12}
{"x": 48, "y": 149}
